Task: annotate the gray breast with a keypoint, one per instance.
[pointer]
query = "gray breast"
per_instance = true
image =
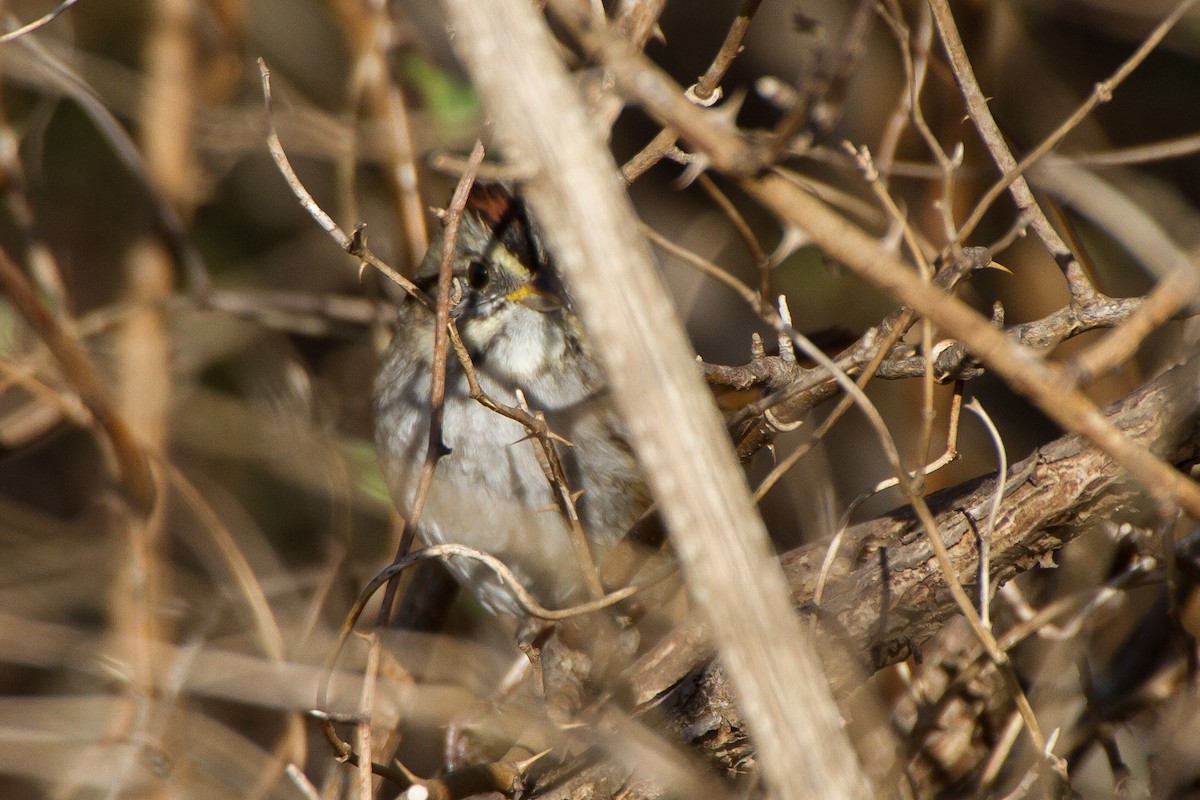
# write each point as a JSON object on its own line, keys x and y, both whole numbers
{"x": 490, "y": 492}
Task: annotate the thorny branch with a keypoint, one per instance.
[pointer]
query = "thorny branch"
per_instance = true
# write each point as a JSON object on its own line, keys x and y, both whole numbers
{"x": 435, "y": 448}
{"x": 1041, "y": 381}
{"x": 1064, "y": 481}
{"x": 1102, "y": 93}
{"x": 794, "y": 390}
{"x": 705, "y": 92}
{"x": 1097, "y": 312}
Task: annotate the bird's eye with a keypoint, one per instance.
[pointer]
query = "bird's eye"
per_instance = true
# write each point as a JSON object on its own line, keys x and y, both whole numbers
{"x": 478, "y": 275}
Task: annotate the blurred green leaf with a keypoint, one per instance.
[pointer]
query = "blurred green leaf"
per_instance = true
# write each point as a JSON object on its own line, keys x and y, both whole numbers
{"x": 363, "y": 467}
{"x": 448, "y": 98}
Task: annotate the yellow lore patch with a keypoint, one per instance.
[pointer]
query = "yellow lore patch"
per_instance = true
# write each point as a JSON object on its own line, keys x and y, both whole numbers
{"x": 521, "y": 292}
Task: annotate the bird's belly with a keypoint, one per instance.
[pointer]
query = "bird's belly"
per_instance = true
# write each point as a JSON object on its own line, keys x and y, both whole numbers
{"x": 490, "y": 493}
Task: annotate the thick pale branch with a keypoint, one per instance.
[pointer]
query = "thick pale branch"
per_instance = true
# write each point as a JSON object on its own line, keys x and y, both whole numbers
{"x": 676, "y": 430}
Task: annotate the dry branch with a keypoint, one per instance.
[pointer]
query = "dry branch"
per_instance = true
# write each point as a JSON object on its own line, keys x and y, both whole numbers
{"x": 676, "y": 431}
{"x": 133, "y": 465}
{"x": 887, "y": 596}
{"x": 1025, "y": 371}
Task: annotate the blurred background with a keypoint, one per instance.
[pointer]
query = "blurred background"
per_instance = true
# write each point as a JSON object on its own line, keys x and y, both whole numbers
{"x": 171, "y": 654}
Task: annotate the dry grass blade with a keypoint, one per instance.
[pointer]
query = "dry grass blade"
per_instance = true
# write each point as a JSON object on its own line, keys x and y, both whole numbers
{"x": 73, "y": 359}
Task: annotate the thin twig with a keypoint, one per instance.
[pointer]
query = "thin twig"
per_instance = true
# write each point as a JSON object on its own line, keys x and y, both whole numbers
{"x": 371, "y": 28}
{"x": 133, "y": 465}
{"x": 1123, "y": 341}
{"x": 435, "y": 448}
{"x": 41, "y": 21}
{"x": 547, "y": 453}
{"x": 1082, "y": 291}
{"x": 521, "y": 595}
{"x": 869, "y": 354}
{"x": 356, "y": 244}
{"x": 914, "y": 56}
{"x": 710, "y": 81}
{"x": 366, "y": 703}
{"x": 903, "y": 480}
{"x": 863, "y": 156}
{"x": 1178, "y": 147}
{"x": 950, "y": 455}
{"x": 1102, "y": 92}
{"x": 1026, "y": 372}
{"x": 1041, "y": 490}
{"x": 985, "y": 538}
{"x": 1137, "y": 228}
{"x": 705, "y": 92}
{"x": 761, "y": 259}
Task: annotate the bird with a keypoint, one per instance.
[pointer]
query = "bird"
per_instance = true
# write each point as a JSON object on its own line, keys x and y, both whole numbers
{"x": 527, "y": 346}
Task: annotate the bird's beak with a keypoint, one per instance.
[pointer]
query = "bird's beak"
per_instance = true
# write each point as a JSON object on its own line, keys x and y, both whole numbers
{"x": 536, "y": 299}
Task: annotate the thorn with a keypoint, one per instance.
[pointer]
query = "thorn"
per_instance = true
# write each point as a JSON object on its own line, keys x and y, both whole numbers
{"x": 939, "y": 347}
{"x": 776, "y": 92}
{"x": 786, "y": 351}
{"x": 549, "y": 434}
{"x": 326, "y": 716}
{"x": 793, "y": 239}
{"x": 1052, "y": 740}
{"x": 694, "y": 169}
{"x": 572, "y": 726}
{"x": 862, "y": 157}
{"x": 998, "y": 314}
{"x": 521, "y": 766}
{"x": 757, "y": 349}
{"x": 417, "y": 780}
{"x": 779, "y": 425}
{"x": 894, "y": 236}
{"x": 940, "y": 374}
{"x": 727, "y": 114}
{"x": 956, "y": 155}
